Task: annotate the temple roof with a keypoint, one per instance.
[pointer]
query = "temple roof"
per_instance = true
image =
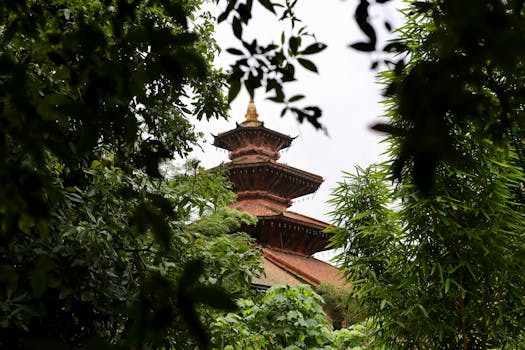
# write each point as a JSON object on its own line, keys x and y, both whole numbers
{"x": 285, "y": 267}
{"x": 252, "y": 138}
{"x": 279, "y": 179}
{"x": 265, "y": 188}
{"x": 240, "y": 128}
{"x": 275, "y": 274}
{"x": 289, "y": 231}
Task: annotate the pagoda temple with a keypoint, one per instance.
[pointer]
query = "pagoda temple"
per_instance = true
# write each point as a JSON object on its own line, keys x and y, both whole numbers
{"x": 265, "y": 188}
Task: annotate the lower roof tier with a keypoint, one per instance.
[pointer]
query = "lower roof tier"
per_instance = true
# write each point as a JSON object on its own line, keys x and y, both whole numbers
{"x": 290, "y": 231}
{"x": 284, "y": 267}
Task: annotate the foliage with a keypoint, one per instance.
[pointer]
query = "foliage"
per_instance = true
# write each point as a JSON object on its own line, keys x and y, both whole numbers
{"x": 288, "y": 318}
{"x": 455, "y": 62}
{"x": 450, "y": 272}
{"x": 273, "y": 65}
{"x": 284, "y": 318}
{"x": 358, "y": 336}
{"x": 230, "y": 260}
{"x": 98, "y": 276}
{"x": 365, "y": 225}
{"x": 336, "y": 305}
{"x": 443, "y": 265}
{"x": 95, "y": 247}
{"x": 111, "y": 77}
{"x": 461, "y": 63}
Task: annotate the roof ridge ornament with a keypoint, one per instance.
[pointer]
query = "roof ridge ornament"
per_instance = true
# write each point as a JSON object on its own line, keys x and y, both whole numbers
{"x": 251, "y": 115}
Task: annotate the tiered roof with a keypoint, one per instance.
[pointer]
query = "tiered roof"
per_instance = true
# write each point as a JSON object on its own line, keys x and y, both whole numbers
{"x": 265, "y": 188}
{"x": 284, "y": 267}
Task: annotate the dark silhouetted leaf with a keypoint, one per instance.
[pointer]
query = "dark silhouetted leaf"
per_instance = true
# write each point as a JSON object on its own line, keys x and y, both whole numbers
{"x": 399, "y": 67}
{"x": 288, "y": 73}
{"x": 235, "y": 87}
{"x": 267, "y": 4}
{"x": 307, "y": 64}
{"x": 362, "y": 46}
{"x": 395, "y": 47}
{"x": 423, "y": 172}
{"x": 293, "y": 44}
{"x": 296, "y": 98}
{"x": 245, "y": 11}
{"x": 235, "y": 51}
{"x": 215, "y": 297}
{"x": 278, "y": 99}
{"x": 237, "y": 27}
{"x": 223, "y": 16}
{"x": 389, "y": 129}
{"x": 314, "y": 48}
{"x": 361, "y": 18}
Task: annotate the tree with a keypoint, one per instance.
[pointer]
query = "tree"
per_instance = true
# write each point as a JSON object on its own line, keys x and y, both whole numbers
{"x": 284, "y": 317}
{"x": 461, "y": 63}
{"x": 450, "y": 273}
{"x": 336, "y": 305}
{"x": 82, "y": 79}
{"x": 445, "y": 268}
{"x": 287, "y": 318}
{"x": 96, "y": 278}
{"x": 97, "y": 248}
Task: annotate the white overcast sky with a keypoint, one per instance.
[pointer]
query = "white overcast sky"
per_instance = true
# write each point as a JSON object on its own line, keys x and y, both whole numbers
{"x": 345, "y": 89}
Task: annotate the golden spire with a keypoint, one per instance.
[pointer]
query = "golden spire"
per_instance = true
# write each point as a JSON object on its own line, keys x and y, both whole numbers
{"x": 251, "y": 116}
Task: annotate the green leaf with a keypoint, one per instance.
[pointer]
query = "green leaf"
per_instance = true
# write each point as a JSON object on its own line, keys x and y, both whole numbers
{"x": 90, "y": 215}
{"x": 423, "y": 310}
{"x": 267, "y": 4}
{"x": 67, "y": 13}
{"x": 363, "y": 46}
{"x": 237, "y": 27}
{"x": 235, "y": 87}
{"x": 314, "y": 48}
{"x": 39, "y": 275}
{"x": 293, "y": 44}
{"x": 307, "y": 64}
{"x": 296, "y": 98}
{"x": 447, "y": 285}
{"x": 235, "y": 51}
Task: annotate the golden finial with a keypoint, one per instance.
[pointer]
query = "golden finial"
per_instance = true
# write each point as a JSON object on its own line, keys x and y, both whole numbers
{"x": 251, "y": 116}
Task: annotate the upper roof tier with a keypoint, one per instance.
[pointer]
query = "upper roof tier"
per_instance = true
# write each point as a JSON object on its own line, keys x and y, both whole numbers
{"x": 252, "y": 138}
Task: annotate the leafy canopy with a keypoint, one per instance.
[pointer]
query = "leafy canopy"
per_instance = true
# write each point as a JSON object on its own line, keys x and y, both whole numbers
{"x": 436, "y": 259}
{"x": 96, "y": 247}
